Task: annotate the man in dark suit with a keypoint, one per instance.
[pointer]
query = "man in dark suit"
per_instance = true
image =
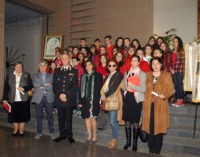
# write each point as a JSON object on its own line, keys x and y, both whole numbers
{"x": 65, "y": 83}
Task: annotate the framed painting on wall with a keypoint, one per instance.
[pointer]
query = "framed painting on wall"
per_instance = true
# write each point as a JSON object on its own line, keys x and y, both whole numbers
{"x": 49, "y": 44}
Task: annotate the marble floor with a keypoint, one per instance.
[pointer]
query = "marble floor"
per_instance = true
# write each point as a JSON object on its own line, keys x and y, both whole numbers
{"x": 27, "y": 146}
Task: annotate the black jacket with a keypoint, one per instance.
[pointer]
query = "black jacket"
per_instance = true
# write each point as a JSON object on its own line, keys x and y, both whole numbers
{"x": 65, "y": 82}
{"x": 98, "y": 82}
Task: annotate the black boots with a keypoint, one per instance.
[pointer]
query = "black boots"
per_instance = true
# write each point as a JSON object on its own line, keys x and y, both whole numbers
{"x": 128, "y": 138}
{"x": 135, "y": 137}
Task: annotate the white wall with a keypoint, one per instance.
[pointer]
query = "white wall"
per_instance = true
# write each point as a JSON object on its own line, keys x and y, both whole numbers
{"x": 179, "y": 14}
{"x": 26, "y": 35}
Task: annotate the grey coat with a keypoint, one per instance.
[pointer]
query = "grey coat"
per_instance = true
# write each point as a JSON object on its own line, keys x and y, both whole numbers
{"x": 10, "y": 86}
{"x": 38, "y": 93}
{"x": 140, "y": 89}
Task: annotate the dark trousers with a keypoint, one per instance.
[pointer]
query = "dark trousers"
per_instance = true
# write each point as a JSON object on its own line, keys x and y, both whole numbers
{"x": 154, "y": 141}
{"x": 178, "y": 84}
{"x": 39, "y": 114}
{"x": 65, "y": 121}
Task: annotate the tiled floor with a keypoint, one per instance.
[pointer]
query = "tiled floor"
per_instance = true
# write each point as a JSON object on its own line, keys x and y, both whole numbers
{"x": 27, "y": 146}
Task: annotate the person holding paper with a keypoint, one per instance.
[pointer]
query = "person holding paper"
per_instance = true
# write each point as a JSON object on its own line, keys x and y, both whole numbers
{"x": 134, "y": 88}
{"x": 155, "y": 121}
{"x": 16, "y": 88}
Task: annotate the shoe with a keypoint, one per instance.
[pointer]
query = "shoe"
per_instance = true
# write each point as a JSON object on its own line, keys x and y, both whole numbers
{"x": 135, "y": 138}
{"x": 52, "y": 136}
{"x": 15, "y": 134}
{"x": 21, "y": 134}
{"x": 88, "y": 141}
{"x": 71, "y": 140}
{"x": 58, "y": 139}
{"x": 38, "y": 136}
{"x": 94, "y": 142}
{"x": 79, "y": 115}
{"x": 113, "y": 144}
{"x": 176, "y": 104}
{"x": 110, "y": 142}
{"x": 181, "y": 103}
{"x": 128, "y": 138}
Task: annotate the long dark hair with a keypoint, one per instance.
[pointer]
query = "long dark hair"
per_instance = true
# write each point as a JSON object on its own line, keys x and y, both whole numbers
{"x": 159, "y": 60}
{"x": 180, "y": 45}
{"x": 168, "y": 50}
{"x": 116, "y": 45}
{"x": 103, "y": 55}
{"x": 121, "y": 63}
{"x": 139, "y": 45}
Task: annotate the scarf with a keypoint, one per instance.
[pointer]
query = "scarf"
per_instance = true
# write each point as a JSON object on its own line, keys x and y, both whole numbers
{"x": 87, "y": 85}
{"x": 133, "y": 72}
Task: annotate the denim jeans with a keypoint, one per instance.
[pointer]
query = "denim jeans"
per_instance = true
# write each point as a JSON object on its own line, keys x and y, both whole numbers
{"x": 114, "y": 123}
{"x": 77, "y": 99}
{"x": 178, "y": 85}
{"x": 39, "y": 115}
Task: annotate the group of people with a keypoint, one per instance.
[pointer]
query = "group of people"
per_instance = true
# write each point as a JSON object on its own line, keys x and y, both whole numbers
{"x": 131, "y": 83}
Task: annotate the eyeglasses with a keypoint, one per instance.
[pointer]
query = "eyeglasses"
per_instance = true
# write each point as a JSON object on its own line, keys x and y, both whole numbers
{"x": 112, "y": 65}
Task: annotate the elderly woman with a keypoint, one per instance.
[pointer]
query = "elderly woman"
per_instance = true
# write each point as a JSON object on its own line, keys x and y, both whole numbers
{"x": 16, "y": 88}
{"x": 159, "y": 87}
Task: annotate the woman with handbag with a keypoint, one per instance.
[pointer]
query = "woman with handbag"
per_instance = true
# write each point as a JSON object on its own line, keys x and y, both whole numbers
{"x": 155, "y": 121}
{"x": 110, "y": 95}
{"x": 134, "y": 88}
{"x": 89, "y": 96}
{"x": 16, "y": 88}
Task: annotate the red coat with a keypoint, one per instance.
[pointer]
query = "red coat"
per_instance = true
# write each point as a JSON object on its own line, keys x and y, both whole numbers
{"x": 144, "y": 66}
{"x": 109, "y": 50}
{"x": 167, "y": 62}
{"x": 125, "y": 68}
{"x": 80, "y": 72}
{"x": 102, "y": 70}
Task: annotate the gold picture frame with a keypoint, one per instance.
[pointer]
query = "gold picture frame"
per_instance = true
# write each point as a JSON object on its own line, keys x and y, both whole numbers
{"x": 50, "y": 42}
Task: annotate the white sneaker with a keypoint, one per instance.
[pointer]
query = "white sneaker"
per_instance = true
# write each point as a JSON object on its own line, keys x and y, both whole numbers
{"x": 38, "y": 136}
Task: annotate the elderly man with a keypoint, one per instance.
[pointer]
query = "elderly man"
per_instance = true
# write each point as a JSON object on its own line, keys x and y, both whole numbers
{"x": 43, "y": 97}
{"x": 65, "y": 83}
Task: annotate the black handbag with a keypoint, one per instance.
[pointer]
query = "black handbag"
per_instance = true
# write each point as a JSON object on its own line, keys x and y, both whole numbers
{"x": 143, "y": 135}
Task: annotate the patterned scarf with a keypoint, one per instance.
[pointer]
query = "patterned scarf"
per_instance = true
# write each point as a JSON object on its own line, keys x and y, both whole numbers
{"x": 87, "y": 85}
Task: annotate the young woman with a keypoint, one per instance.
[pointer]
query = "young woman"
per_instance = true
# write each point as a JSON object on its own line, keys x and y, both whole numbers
{"x": 148, "y": 50}
{"x": 110, "y": 87}
{"x": 155, "y": 119}
{"x": 158, "y": 53}
{"x": 75, "y": 52}
{"x": 130, "y": 53}
{"x": 177, "y": 70}
{"x": 114, "y": 51}
{"x": 102, "y": 67}
{"x": 119, "y": 43}
{"x": 57, "y": 60}
{"x": 153, "y": 42}
{"x": 89, "y": 96}
{"x": 120, "y": 59}
{"x": 93, "y": 52}
{"x": 127, "y": 42}
{"x": 144, "y": 66}
{"x": 52, "y": 68}
{"x": 136, "y": 43}
{"x": 102, "y": 51}
{"x": 81, "y": 57}
{"x": 160, "y": 40}
{"x": 133, "y": 98}
{"x": 167, "y": 55}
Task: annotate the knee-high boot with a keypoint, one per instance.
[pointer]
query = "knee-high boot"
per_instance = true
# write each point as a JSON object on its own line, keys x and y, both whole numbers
{"x": 135, "y": 137}
{"x": 128, "y": 138}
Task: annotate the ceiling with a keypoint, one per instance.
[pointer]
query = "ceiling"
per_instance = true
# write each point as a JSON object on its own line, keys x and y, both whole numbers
{"x": 16, "y": 13}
